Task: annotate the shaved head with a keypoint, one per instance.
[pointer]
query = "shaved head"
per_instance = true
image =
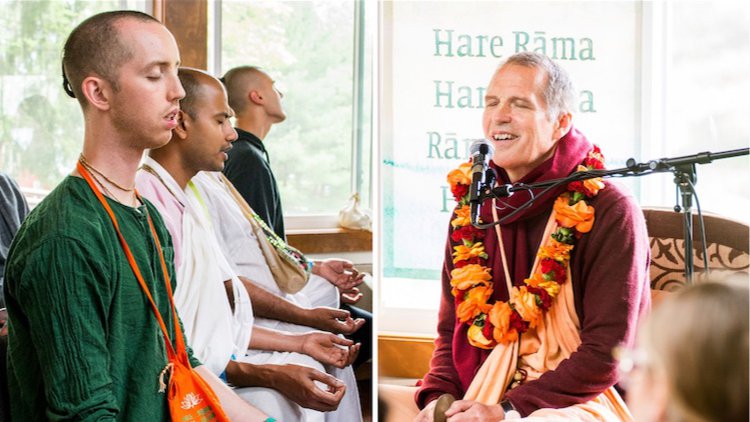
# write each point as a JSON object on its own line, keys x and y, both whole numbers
{"x": 195, "y": 82}
{"x": 96, "y": 48}
{"x": 241, "y": 80}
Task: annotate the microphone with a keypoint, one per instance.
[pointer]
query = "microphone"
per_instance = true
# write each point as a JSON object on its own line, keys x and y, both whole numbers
{"x": 481, "y": 152}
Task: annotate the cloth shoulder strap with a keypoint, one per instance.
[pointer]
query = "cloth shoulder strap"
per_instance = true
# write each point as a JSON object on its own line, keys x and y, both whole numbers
{"x": 180, "y": 352}
{"x": 285, "y": 250}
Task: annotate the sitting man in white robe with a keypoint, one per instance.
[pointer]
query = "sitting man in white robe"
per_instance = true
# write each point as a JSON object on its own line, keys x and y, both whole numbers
{"x": 284, "y": 372}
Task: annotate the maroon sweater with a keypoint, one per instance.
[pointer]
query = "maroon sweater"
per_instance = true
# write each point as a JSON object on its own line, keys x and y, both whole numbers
{"x": 610, "y": 287}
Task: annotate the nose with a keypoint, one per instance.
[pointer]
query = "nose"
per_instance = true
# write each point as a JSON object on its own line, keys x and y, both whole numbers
{"x": 176, "y": 91}
{"x": 501, "y": 113}
{"x": 231, "y": 134}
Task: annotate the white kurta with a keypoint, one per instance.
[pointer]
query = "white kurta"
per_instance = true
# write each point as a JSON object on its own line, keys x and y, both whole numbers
{"x": 213, "y": 331}
{"x": 240, "y": 245}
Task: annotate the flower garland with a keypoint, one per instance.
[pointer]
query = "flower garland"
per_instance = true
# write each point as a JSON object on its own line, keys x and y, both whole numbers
{"x": 471, "y": 279}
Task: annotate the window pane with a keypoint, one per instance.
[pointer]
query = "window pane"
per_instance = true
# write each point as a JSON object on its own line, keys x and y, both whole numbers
{"x": 41, "y": 129}
{"x": 708, "y": 86}
{"x": 307, "y": 47}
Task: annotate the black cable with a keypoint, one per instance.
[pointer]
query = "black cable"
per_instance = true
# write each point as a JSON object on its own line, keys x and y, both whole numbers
{"x": 580, "y": 175}
{"x": 702, "y": 227}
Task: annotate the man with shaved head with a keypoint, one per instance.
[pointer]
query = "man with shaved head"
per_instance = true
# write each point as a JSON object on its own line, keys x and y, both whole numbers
{"x": 257, "y": 105}
{"x": 84, "y": 342}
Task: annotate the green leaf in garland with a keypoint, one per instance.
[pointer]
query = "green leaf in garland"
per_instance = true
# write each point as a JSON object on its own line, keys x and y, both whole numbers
{"x": 564, "y": 235}
{"x": 577, "y": 196}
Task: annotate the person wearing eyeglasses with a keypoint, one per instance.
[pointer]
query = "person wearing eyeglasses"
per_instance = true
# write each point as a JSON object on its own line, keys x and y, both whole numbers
{"x": 691, "y": 363}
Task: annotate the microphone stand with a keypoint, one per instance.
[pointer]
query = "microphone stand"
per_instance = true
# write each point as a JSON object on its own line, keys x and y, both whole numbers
{"x": 685, "y": 179}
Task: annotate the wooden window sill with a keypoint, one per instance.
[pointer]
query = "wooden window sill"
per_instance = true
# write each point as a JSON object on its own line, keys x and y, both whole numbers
{"x": 321, "y": 241}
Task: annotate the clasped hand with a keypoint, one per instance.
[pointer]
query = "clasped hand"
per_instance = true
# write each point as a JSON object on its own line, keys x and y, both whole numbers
{"x": 464, "y": 411}
{"x": 330, "y": 349}
{"x": 298, "y": 383}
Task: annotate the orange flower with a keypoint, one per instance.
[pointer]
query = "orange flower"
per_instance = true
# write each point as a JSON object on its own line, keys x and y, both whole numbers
{"x": 525, "y": 304}
{"x": 535, "y": 280}
{"x": 464, "y": 252}
{"x": 463, "y": 217}
{"x": 477, "y": 338}
{"x": 499, "y": 316}
{"x": 552, "y": 287}
{"x": 580, "y": 215}
{"x": 468, "y": 276}
{"x": 461, "y": 175}
{"x": 592, "y": 185}
{"x": 475, "y": 303}
{"x": 555, "y": 250}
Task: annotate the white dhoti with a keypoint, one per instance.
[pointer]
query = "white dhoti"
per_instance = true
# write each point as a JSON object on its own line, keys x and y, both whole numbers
{"x": 271, "y": 401}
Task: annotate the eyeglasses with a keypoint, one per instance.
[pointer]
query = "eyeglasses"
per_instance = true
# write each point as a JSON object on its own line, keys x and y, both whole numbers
{"x": 629, "y": 362}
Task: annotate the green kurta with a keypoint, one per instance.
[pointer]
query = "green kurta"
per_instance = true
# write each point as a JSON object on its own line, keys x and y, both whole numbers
{"x": 84, "y": 343}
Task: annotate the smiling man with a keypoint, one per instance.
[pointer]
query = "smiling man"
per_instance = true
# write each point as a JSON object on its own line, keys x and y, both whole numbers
{"x": 532, "y": 307}
{"x": 84, "y": 343}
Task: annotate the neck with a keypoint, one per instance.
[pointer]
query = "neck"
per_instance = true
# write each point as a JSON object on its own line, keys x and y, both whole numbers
{"x": 116, "y": 166}
{"x": 174, "y": 165}
{"x": 108, "y": 150}
{"x": 255, "y": 125}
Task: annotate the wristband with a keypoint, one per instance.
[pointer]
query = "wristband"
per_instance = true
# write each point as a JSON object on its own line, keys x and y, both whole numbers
{"x": 270, "y": 419}
{"x": 310, "y": 265}
{"x": 509, "y": 410}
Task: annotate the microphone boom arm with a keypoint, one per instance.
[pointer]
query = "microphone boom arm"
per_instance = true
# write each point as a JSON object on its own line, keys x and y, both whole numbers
{"x": 685, "y": 179}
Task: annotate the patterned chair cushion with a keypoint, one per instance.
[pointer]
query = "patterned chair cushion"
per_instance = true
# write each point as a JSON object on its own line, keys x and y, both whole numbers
{"x": 728, "y": 246}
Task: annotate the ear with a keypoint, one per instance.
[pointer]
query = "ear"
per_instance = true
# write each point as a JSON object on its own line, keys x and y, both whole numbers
{"x": 255, "y": 97}
{"x": 183, "y": 123}
{"x": 562, "y": 125}
{"x": 98, "y": 92}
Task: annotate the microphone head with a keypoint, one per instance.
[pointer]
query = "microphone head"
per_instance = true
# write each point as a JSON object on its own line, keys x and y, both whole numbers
{"x": 482, "y": 146}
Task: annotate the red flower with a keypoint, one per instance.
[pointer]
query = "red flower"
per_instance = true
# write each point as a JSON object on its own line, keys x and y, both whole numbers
{"x": 580, "y": 186}
{"x": 595, "y": 159}
{"x": 487, "y": 329}
{"x": 558, "y": 269}
{"x": 544, "y": 297}
{"x": 469, "y": 233}
{"x": 577, "y": 186}
{"x": 459, "y": 191}
{"x": 517, "y": 323}
{"x": 475, "y": 260}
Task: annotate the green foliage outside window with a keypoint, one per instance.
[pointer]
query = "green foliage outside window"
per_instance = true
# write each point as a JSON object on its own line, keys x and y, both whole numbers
{"x": 307, "y": 47}
{"x": 41, "y": 128}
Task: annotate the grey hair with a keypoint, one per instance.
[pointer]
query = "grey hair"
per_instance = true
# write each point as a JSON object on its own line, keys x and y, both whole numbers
{"x": 558, "y": 93}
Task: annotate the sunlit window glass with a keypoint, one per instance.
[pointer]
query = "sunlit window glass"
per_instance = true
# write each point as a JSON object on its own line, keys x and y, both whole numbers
{"x": 307, "y": 47}
{"x": 41, "y": 128}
